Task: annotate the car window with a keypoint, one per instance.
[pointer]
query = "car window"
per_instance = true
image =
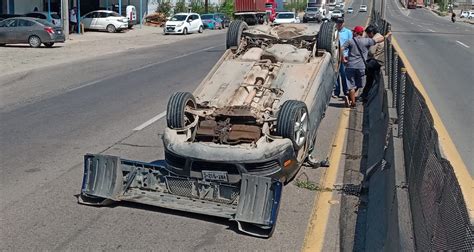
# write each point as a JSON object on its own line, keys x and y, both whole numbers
{"x": 195, "y": 17}
{"x": 178, "y": 18}
{"x": 9, "y": 23}
{"x": 208, "y": 16}
{"x": 89, "y": 15}
{"x": 55, "y": 16}
{"x": 103, "y": 14}
{"x": 24, "y": 23}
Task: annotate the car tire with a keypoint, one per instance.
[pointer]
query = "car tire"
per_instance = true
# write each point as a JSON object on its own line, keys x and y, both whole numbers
{"x": 111, "y": 28}
{"x": 2, "y": 44}
{"x": 34, "y": 41}
{"x": 176, "y": 116}
{"x": 234, "y": 33}
{"x": 185, "y": 31}
{"x": 49, "y": 44}
{"x": 328, "y": 40}
{"x": 201, "y": 29}
{"x": 293, "y": 122}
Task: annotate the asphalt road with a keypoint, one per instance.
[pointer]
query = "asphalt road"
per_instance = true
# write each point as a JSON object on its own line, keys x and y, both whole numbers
{"x": 50, "y": 117}
{"x": 442, "y": 55}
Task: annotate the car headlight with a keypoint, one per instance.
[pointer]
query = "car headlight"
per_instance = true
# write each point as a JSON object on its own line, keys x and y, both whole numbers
{"x": 180, "y": 24}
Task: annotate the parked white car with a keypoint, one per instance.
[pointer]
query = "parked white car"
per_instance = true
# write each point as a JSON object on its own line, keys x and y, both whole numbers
{"x": 184, "y": 23}
{"x": 106, "y": 20}
{"x": 467, "y": 14}
{"x": 363, "y": 8}
{"x": 350, "y": 10}
{"x": 337, "y": 14}
{"x": 286, "y": 18}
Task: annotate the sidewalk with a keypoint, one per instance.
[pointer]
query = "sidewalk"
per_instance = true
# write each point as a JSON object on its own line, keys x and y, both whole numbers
{"x": 18, "y": 58}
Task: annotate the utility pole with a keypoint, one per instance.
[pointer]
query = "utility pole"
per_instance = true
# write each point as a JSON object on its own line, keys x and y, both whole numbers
{"x": 206, "y": 6}
{"x": 65, "y": 17}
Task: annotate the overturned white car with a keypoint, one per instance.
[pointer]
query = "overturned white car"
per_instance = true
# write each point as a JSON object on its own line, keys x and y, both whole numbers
{"x": 246, "y": 129}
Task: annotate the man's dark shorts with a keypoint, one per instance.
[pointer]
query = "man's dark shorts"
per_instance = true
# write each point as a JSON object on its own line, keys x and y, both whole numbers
{"x": 356, "y": 78}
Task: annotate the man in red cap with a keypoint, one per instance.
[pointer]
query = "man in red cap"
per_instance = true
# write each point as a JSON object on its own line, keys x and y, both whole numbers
{"x": 356, "y": 61}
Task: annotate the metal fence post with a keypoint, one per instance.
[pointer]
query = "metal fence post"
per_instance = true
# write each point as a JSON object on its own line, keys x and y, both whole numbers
{"x": 395, "y": 81}
{"x": 401, "y": 112}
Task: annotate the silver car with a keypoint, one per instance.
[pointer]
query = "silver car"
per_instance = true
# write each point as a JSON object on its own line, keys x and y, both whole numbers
{"x": 104, "y": 20}
{"x": 33, "y": 31}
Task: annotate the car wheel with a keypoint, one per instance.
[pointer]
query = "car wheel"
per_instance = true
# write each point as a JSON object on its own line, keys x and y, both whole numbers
{"x": 185, "y": 31}
{"x": 111, "y": 28}
{"x": 234, "y": 34}
{"x": 328, "y": 39}
{"x": 2, "y": 44}
{"x": 176, "y": 115}
{"x": 293, "y": 122}
{"x": 49, "y": 45}
{"x": 34, "y": 41}
{"x": 201, "y": 29}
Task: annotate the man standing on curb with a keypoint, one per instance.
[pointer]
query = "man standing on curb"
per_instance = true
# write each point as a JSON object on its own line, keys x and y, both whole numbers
{"x": 344, "y": 35}
{"x": 356, "y": 61}
{"x": 375, "y": 60}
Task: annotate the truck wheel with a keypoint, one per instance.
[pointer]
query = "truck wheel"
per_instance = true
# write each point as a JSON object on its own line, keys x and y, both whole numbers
{"x": 328, "y": 39}
{"x": 176, "y": 116}
{"x": 292, "y": 122}
{"x": 234, "y": 34}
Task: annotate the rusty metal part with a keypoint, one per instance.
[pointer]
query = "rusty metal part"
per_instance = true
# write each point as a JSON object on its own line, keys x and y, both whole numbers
{"x": 244, "y": 133}
{"x": 253, "y": 91}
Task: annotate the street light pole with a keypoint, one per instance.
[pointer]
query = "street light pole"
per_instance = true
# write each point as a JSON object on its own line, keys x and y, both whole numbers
{"x": 78, "y": 16}
{"x": 120, "y": 7}
{"x": 65, "y": 17}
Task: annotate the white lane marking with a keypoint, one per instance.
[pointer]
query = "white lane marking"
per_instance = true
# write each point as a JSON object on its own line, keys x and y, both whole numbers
{"x": 430, "y": 30}
{"x": 152, "y": 120}
{"x": 461, "y": 43}
{"x": 142, "y": 67}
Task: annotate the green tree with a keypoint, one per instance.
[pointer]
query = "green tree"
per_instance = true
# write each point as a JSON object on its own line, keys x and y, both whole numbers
{"x": 180, "y": 7}
{"x": 227, "y": 8}
{"x": 164, "y": 8}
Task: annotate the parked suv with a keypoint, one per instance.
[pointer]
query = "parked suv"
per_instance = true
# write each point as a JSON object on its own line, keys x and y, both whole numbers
{"x": 54, "y": 18}
{"x": 184, "y": 23}
{"x": 106, "y": 20}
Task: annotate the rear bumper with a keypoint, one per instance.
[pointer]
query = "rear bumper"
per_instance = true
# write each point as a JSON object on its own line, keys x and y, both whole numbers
{"x": 55, "y": 38}
{"x": 109, "y": 179}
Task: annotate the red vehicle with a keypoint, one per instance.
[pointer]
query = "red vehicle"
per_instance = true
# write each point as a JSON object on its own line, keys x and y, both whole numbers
{"x": 253, "y": 11}
{"x": 420, "y": 3}
{"x": 411, "y": 4}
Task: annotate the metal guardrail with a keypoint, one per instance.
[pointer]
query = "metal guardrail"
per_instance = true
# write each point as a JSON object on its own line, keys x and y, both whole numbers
{"x": 440, "y": 217}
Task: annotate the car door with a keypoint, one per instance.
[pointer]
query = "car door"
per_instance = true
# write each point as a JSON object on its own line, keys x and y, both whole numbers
{"x": 196, "y": 22}
{"x": 24, "y": 29}
{"x": 7, "y": 31}
{"x": 101, "y": 20}
{"x": 87, "y": 20}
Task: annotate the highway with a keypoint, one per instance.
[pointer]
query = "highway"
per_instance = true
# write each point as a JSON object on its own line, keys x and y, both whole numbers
{"x": 442, "y": 54}
{"x": 51, "y": 117}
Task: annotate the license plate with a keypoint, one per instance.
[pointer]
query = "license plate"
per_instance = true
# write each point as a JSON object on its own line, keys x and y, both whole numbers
{"x": 215, "y": 175}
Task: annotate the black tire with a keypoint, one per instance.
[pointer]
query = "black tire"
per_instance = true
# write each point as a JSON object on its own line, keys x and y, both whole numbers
{"x": 201, "y": 29}
{"x": 111, "y": 28}
{"x": 2, "y": 44}
{"x": 185, "y": 31}
{"x": 328, "y": 40}
{"x": 291, "y": 112}
{"x": 234, "y": 33}
{"x": 176, "y": 118}
{"x": 34, "y": 41}
{"x": 49, "y": 44}
{"x": 305, "y": 20}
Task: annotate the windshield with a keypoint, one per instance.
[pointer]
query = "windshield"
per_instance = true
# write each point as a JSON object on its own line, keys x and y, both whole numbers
{"x": 363, "y": 6}
{"x": 286, "y": 15}
{"x": 313, "y": 9}
{"x": 207, "y": 16}
{"x": 178, "y": 18}
{"x": 268, "y": 5}
{"x": 114, "y": 14}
